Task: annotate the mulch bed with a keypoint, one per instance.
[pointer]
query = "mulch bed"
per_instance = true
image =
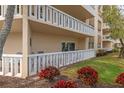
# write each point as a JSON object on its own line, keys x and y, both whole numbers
{"x": 35, "y": 82}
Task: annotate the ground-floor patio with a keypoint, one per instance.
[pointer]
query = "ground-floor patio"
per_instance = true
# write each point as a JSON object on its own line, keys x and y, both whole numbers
{"x": 34, "y": 46}
{"x": 108, "y": 67}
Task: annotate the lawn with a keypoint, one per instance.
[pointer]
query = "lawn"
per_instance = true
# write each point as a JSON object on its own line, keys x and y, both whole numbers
{"x": 108, "y": 67}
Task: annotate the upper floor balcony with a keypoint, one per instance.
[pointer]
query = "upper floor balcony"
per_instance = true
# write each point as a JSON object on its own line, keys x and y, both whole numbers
{"x": 54, "y": 17}
{"x": 18, "y": 11}
{"x": 51, "y": 16}
{"x": 90, "y": 9}
{"x": 106, "y": 26}
{"x": 107, "y": 38}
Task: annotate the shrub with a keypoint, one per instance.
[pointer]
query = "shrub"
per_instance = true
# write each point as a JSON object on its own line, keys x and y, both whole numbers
{"x": 88, "y": 75}
{"x": 115, "y": 50}
{"x": 120, "y": 79}
{"x": 65, "y": 84}
{"x": 101, "y": 52}
{"x": 49, "y": 73}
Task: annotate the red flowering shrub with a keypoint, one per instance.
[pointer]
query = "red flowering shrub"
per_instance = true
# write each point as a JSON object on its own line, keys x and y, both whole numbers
{"x": 120, "y": 79}
{"x": 88, "y": 75}
{"x": 65, "y": 84}
{"x": 49, "y": 73}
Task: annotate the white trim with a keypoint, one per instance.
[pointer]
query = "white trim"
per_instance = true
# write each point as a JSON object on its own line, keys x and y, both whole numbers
{"x": 11, "y": 55}
{"x": 58, "y": 52}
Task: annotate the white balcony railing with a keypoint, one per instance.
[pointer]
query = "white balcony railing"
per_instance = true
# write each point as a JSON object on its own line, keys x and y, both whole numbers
{"x": 11, "y": 65}
{"x": 108, "y": 49}
{"x": 18, "y": 11}
{"x": 106, "y": 26}
{"x": 58, "y": 59}
{"x": 52, "y": 16}
{"x": 107, "y": 37}
{"x": 90, "y": 9}
{"x": 93, "y": 6}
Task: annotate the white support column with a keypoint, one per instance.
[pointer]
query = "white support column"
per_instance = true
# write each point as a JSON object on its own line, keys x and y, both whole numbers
{"x": 101, "y": 34}
{"x": 26, "y": 42}
{"x": 87, "y": 43}
{"x": 96, "y": 28}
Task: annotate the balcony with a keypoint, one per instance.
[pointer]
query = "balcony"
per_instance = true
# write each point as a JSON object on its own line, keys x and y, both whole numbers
{"x": 58, "y": 59}
{"x": 90, "y": 9}
{"x": 106, "y": 26}
{"x": 18, "y": 11}
{"x": 107, "y": 38}
{"x": 51, "y": 16}
{"x": 108, "y": 49}
{"x": 93, "y": 6}
{"x": 11, "y": 63}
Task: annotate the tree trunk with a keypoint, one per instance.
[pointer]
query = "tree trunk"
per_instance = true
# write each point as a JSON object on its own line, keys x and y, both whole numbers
{"x": 6, "y": 27}
{"x": 121, "y": 54}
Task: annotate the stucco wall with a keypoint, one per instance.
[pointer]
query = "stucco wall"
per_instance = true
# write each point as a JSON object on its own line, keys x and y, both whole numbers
{"x": 107, "y": 44}
{"x": 13, "y": 43}
{"x": 52, "y": 43}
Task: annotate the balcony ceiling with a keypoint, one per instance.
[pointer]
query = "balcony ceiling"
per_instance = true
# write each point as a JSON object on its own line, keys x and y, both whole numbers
{"x": 45, "y": 28}
{"x": 78, "y": 11}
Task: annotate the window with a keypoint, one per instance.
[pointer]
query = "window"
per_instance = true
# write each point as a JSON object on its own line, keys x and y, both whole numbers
{"x": 91, "y": 43}
{"x": 71, "y": 46}
{"x": 68, "y": 46}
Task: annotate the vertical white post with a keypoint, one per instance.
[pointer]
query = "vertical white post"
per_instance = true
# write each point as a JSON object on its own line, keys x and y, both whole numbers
{"x": 12, "y": 71}
{"x": 3, "y": 70}
{"x": 96, "y": 28}
{"x": 87, "y": 43}
{"x": 26, "y": 42}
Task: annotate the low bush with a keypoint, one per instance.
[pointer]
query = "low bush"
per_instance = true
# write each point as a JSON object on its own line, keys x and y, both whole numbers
{"x": 49, "y": 73}
{"x": 120, "y": 79}
{"x": 101, "y": 52}
{"x": 115, "y": 50}
{"x": 88, "y": 75}
{"x": 65, "y": 84}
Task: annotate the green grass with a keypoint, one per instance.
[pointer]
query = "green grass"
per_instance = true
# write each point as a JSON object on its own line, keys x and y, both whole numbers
{"x": 108, "y": 67}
